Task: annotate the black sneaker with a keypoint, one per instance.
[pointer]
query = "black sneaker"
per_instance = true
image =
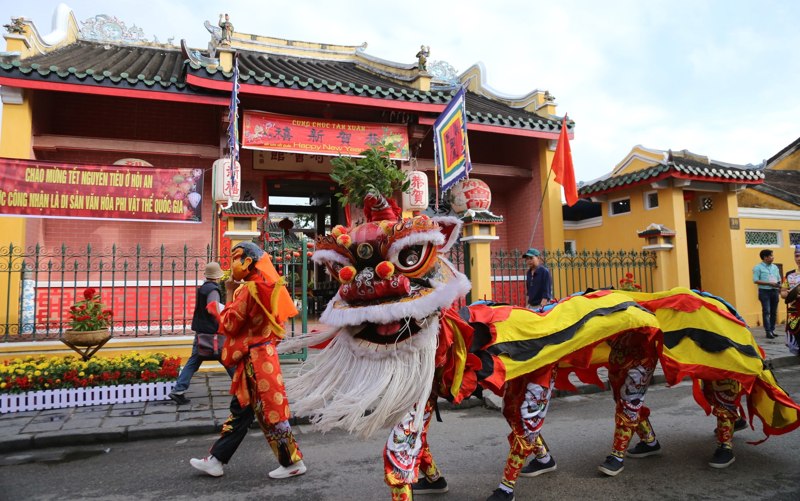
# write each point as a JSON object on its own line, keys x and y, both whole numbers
{"x": 612, "y": 466}
{"x": 501, "y": 495}
{"x": 425, "y": 486}
{"x": 536, "y": 468}
{"x": 179, "y": 399}
{"x": 642, "y": 450}
{"x": 723, "y": 457}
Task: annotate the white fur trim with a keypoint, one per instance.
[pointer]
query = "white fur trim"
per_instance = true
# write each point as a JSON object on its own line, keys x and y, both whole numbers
{"x": 295, "y": 343}
{"x": 324, "y": 256}
{"x": 342, "y": 384}
{"x": 434, "y": 237}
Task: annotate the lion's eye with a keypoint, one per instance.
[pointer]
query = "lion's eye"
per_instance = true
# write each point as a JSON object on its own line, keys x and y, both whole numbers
{"x": 414, "y": 260}
{"x": 410, "y": 256}
{"x": 334, "y": 268}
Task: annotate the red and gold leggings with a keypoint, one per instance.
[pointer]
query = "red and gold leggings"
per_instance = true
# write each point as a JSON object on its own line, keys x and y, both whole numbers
{"x": 724, "y": 396}
{"x": 525, "y": 406}
{"x": 406, "y": 453}
{"x": 632, "y": 361}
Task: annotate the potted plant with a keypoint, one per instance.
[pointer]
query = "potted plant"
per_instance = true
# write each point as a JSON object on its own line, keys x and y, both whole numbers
{"x": 373, "y": 175}
{"x": 89, "y": 320}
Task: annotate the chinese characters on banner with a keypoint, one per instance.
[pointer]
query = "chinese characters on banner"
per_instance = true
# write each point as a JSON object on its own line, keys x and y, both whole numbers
{"x": 56, "y": 190}
{"x": 450, "y": 145}
{"x": 270, "y": 131}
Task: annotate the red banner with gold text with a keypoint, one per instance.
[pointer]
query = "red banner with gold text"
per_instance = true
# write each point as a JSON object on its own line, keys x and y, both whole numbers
{"x": 273, "y": 132}
{"x": 56, "y": 190}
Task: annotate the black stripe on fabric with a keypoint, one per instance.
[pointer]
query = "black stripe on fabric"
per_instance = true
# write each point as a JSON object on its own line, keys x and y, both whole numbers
{"x": 520, "y": 351}
{"x": 708, "y": 341}
{"x": 487, "y": 366}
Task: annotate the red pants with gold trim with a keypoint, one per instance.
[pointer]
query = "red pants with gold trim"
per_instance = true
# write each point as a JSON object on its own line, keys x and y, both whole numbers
{"x": 525, "y": 405}
{"x": 724, "y": 395}
{"x": 279, "y": 435}
{"x": 406, "y": 453}
{"x": 632, "y": 361}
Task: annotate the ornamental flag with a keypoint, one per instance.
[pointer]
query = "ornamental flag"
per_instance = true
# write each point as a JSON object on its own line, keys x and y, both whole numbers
{"x": 562, "y": 166}
{"x": 451, "y": 149}
{"x": 233, "y": 120}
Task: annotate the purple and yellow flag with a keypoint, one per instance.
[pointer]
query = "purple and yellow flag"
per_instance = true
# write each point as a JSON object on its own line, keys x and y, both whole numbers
{"x": 451, "y": 149}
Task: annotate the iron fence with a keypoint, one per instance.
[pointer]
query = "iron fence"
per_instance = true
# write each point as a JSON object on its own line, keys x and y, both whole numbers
{"x": 151, "y": 292}
{"x": 571, "y": 272}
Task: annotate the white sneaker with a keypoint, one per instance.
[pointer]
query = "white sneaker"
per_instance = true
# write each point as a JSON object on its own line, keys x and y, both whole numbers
{"x": 210, "y": 465}
{"x": 292, "y": 470}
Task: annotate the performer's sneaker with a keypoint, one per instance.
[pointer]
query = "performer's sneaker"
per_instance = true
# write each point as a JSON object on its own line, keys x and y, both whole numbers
{"x": 210, "y": 465}
{"x": 501, "y": 495}
{"x": 723, "y": 457}
{"x": 178, "y": 398}
{"x": 292, "y": 470}
{"x": 612, "y": 466}
{"x": 642, "y": 450}
{"x": 425, "y": 486}
{"x": 536, "y": 468}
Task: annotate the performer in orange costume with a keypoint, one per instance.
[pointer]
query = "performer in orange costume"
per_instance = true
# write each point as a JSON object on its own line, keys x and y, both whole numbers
{"x": 252, "y": 323}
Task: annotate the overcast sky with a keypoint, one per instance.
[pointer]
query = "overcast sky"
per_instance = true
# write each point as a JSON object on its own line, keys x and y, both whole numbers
{"x": 719, "y": 77}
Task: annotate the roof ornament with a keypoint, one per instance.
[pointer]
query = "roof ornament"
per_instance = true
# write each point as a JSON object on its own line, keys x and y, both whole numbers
{"x": 549, "y": 98}
{"x": 422, "y": 57}
{"x": 443, "y": 72}
{"x": 226, "y": 29}
{"x": 16, "y": 26}
{"x": 105, "y": 28}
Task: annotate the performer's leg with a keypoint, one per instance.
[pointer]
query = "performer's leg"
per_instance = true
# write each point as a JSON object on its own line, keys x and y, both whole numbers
{"x": 426, "y": 465}
{"x": 233, "y": 431}
{"x": 278, "y": 433}
{"x": 401, "y": 454}
{"x": 526, "y": 401}
{"x": 723, "y": 395}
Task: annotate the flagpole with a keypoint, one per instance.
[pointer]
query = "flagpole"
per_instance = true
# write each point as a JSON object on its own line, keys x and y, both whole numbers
{"x": 541, "y": 202}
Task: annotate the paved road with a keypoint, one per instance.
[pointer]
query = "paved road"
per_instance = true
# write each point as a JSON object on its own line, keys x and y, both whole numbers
{"x": 470, "y": 446}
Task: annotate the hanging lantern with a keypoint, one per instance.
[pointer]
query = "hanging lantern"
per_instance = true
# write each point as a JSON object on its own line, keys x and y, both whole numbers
{"x": 417, "y": 196}
{"x": 470, "y": 194}
{"x": 227, "y": 184}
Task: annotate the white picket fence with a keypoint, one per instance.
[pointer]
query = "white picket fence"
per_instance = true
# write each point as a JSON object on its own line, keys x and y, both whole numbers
{"x": 80, "y": 397}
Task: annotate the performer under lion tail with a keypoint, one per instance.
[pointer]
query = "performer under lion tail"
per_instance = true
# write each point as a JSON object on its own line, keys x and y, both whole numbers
{"x": 724, "y": 395}
{"x": 525, "y": 403}
{"x": 631, "y": 363}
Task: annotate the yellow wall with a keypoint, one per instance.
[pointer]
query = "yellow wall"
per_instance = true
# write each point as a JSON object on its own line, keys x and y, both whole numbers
{"x": 748, "y": 304}
{"x": 15, "y": 142}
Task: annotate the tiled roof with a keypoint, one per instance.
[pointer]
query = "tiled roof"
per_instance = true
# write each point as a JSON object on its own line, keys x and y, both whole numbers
{"x": 351, "y": 78}
{"x": 248, "y": 208}
{"x": 676, "y": 167}
{"x": 481, "y": 216}
{"x": 104, "y": 64}
{"x": 164, "y": 68}
{"x": 781, "y": 184}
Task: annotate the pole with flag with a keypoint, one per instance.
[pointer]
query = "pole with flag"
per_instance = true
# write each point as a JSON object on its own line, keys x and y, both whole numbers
{"x": 450, "y": 145}
{"x": 233, "y": 122}
{"x": 564, "y": 174}
{"x": 562, "y": 166}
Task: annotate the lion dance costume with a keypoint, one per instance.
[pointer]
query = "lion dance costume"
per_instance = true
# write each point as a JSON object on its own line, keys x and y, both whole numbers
{"x": 397, "y": 344}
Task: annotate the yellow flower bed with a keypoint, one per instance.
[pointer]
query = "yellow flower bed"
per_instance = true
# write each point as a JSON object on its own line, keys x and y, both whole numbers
{"x": 48, "y": 373}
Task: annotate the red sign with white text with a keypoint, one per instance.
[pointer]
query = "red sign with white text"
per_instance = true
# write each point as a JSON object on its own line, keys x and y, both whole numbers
{"x": 55, "y": 190}
{"x": 273, "y": 132}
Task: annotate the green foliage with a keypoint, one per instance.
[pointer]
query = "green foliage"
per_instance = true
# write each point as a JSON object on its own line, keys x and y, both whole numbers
{"x": 89, "y": 314}
{"x": 376, "y": 172}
